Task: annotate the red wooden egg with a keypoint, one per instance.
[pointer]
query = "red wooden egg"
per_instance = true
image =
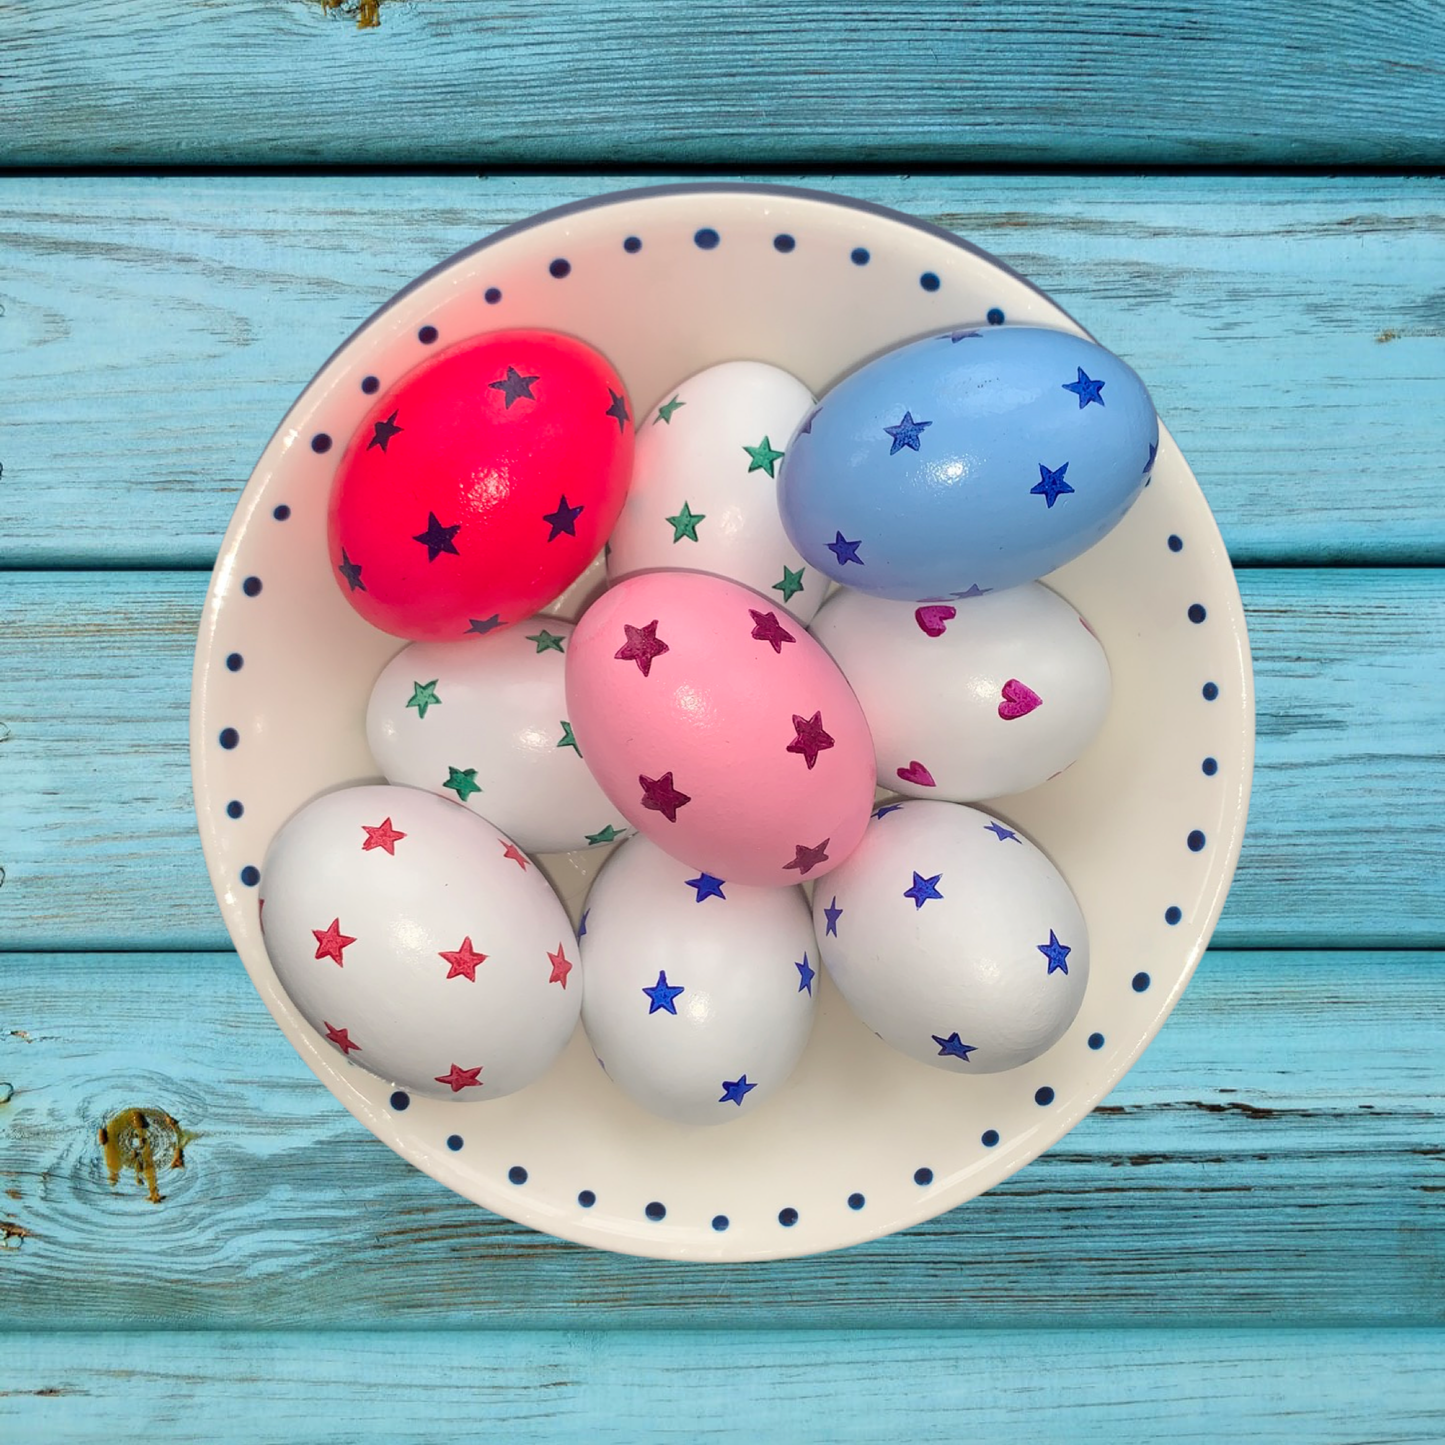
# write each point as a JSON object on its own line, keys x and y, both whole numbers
{"x": 480, "y": 485}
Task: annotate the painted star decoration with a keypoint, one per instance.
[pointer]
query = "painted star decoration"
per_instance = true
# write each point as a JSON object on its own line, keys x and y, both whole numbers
{"x": 462, "y": 781}
{"x": 763, "y": 457}
{"x": 811, "y": 739}
{"x": 514, "y": 386}
{"x": 846, "y": 551}
{"x": 952, "y": 1046}
{"x": 642, "y": 645}
{"x": 618, "y": 409}
{"x": 791, "y": 584}
{"x": 582, "y": 926}
{"x": 1153, "y": 452}
{"x": 1085, "y": 388}
{"x": 805, "y": 859}
{"x": 341, "y": 1038}
{"x": 546, "y": 641}
{"x": 383, "y": 431}
{"x": 906, "y": 434}
{"x": 974, "y": 590}
{"x": 567, "y": 740}
{"x": 561, "y": 966}
{"x": 438, "y": 539}
{"x": 424, "y": 695}
{"x": 806, "y": 974}
{"x": 458, "y": 1078}
{"x": 1056, "y": 953}
{"x": 463, "y": 961}
{"x": 886, "y": 809}
{"x": 659, "y": 796}
{"x": 806, "y": 430}
{"x": 381, "y": 836}
{"x": 685, "y": 523}
{"x": 957, "y": 336}
{"x": 352, "y": 572}
{"x": 564, "y": 519}
{"x": 1051, "y": 485}
{"x": 767, "y": 628}
{"x": 331, "y": 942}
{"x": 607, "y": 835}
{"x": 832, "y": 913}
{"x": 706, "y": 886}
{"x": 514, "y": 854}
{"x": 483, "y": 625}
{"x": 736, "y": 1091}
{"x": 662, "y": 994}
{"x": 1002, "y": 834}
{"x": 665, "y": 411}
{"x": 923, "y": 889}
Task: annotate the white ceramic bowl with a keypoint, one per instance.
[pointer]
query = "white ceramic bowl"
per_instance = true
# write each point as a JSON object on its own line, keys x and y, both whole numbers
{"x": 1146, "y": 827}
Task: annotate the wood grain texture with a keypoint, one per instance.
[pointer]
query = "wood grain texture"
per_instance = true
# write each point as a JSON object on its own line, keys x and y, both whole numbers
{"x": 598, "y": 82}
{"x": 156, "y": 330}
{"x": 1345, "y": 845}
{"x": 1316, "y": 1387}
{"x": 1277, "y": 1157}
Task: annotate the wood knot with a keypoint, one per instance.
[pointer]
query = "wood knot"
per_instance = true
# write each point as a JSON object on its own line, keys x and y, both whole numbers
{"x": 366, "y": 12}
{"x": 135, "y": 1138}
{"x": 12, "y": 1235}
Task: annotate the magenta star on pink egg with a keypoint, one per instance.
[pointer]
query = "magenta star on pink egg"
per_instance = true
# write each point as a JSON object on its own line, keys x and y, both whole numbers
{"x": 805, "y": 859}
{"x": 660, "y": 796}
{"x": 811, "y": 739}
{"x": 642, "y": 645}
{"x": 769, "y": 629}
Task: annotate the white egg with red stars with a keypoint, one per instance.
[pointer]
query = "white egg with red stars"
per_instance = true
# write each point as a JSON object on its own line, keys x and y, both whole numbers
{"x": 971, "y": 699}
{"x": 954, "y": 938}
{"x": 483, "y": 722}
{"x": 700, "y": 992}
{"x": 703, "y": 494}
{"x": 420, "y": 943}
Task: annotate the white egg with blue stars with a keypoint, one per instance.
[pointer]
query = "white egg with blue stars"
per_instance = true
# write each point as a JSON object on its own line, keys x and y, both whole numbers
{"x": 967, "y": 462}
{"x": 954, "y": 938}
{"x": 700, "y": 992}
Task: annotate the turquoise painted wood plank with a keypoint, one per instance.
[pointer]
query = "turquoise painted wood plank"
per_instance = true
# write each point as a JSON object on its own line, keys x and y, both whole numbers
{"x": 602, "y": 82}
{"x": 1277, "y": 1157}
{"x": 1292, "y": 331}
{"x": 1195, "y": 1387}
{"x": 1346, "y": 843}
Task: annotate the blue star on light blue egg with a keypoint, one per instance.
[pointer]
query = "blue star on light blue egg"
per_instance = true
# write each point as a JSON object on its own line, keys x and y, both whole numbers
{"x": 923, "y": 889}
{"x": 1086, "y": 388}
{"x": 973, "y": 590}
{"x": 832, "y": 913}
{"x": 953, "y": 1046}
{"x": 807, "y": 427}
{"x": 1001, "y": 833}
{"x": 1056, "y": 953}
{"x": 846, "y": 551}
{"x": 661, "y": 995}
{"x": 1153, "y": 452}
{"x": 908, "y": 433}
{"x": 706, "y": 886}
{"x": 806, "y": 974}
{"x": 957, "y": 336}
{"x": 1051, "y": 484}
{"x": 736, "y": 1090}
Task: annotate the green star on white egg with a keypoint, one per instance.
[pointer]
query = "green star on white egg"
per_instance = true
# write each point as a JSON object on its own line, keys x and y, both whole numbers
{"x": 685, "y": 524}
{"x": 567, "y": 740}
{"x": 791, "y": 584}
{"x": 763, "y": 457}
{"x": 664, "y": 412}
{"x": 608, "y": 835}
{"x": 546, "y": 641}
{"x": 462, "y": 781}
{"x": 424, "y": 695}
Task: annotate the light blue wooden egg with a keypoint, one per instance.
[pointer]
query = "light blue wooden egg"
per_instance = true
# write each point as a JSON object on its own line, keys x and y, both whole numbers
{"x": 967, "y": 462}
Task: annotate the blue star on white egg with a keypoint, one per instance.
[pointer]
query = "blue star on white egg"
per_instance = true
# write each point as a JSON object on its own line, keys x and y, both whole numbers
{"x": 961, "y": 953}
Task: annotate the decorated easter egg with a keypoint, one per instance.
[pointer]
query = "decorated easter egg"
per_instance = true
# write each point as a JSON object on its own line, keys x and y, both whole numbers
{"x": 700, "y": 991}
{"x": 487, "y": 726}
{"x": 971, "y": 699}
{"x": 967, "y": 462}
{"x": 720, "y": 728}
{"x": 954, "y": 938}
{"x": 420, "y": 942}
{"x": 704, "y": 493}
{"x": 480, "y": 484}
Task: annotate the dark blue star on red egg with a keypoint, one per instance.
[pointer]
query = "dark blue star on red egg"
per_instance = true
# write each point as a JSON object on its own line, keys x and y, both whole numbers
{"x": 383, "y": 431}
{"x": 846, "y": 551}
{"x": 1086, "y": 388}
{"x": 352, "y": 572}
{"x": 662, "y": 995}
{"x": 811, "y": 739}
{"x": 706, "y": 886}
{"x": 1056, "y": 953}
{"x": 1051, "y": 484}
{"x": 767, "y": 628}
{"x": 832, "y": 913}
{"x": 659, "y": 795}
{"x": 514, "y": 386}
{"x": 564, "y": 519}
{"x": 923, "y": 889}
{"x": 953, "y": 1046}
{"x": 736, "y": 1091}
{"x": 483, "y": 625}
{"x": 805, "y": 859}
{"x": 438, "y": 539}
{"x": 642, "y": 645}
{"x": 906, "y": 434}
{"x": 618, "y": 409}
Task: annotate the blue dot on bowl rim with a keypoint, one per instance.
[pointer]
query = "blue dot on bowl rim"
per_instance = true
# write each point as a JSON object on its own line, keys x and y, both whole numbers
{"x": 1209, "y": 767}
{"x": 856, "y": 1201}
{"x": 427, "y": 335}
{"x": 1195, "y": 841}
{"x": 1140, "y": 982}
{"x": 656, "y": 1211}
{"x": 400, "y": 1100}
{"x": 929, "y": 281}
{"x": 560, "y": 268}
{"x": 229, "y": 738}
{"x": 1173, "y": 914}
{"x": 250, "y": 875}
{"x": 492, "y": 295}
{"x": 321, "y": 442}
{"x": 587, "y": 1199}
{"x": 251, "y": 587}
{"x": 1096, "y": 1041}
{"x": 923, "y": 1176}
{"x": 995, "y": 317}
{"x": 234, "y": 808}
{"x": 454, "y": 1142}
{"x": 720, "y": 1222}
{"x": 860, "y": 256}
{"x": 1197, "y": 613}
{"x": 784, "y": 243}
{"x": 517, "y": 1174}
{"x": 632, "y": 245}
{"x": 281, "y": 513}
{"x": 1176, "y": 543}
{"x": 1210, "y": 691}
{"x": 1043, "y": 1096}
{"x": 989, "y": 1138}
{"x": 705, "y": 238}
{"x": 234, "y": 662}
{"x": 370, "y": 384}
{"x": 788, "y": 1217}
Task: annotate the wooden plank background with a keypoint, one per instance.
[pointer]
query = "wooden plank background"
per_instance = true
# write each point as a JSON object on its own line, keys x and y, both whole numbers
{"x": 1243, "y": 198}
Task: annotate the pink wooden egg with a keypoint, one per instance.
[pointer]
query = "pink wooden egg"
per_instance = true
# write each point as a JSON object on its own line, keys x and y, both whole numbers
{"x": 720, "y": 728}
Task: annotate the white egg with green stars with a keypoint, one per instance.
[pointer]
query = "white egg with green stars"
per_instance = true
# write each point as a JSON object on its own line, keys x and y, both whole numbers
{"x": 703, "y": 495}
{"x": 483, "y": 721}
{"x": 954, "y": 938}
{"x": 700, "y": 991}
